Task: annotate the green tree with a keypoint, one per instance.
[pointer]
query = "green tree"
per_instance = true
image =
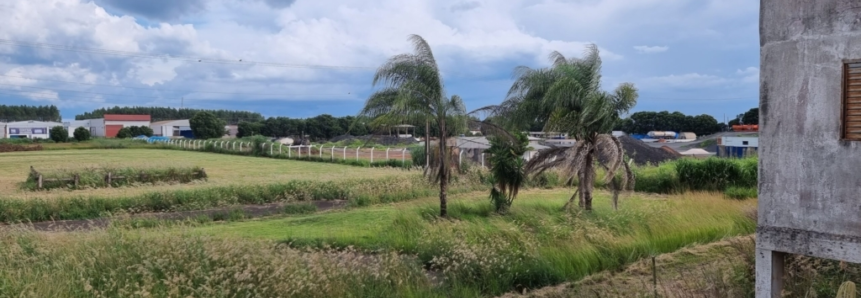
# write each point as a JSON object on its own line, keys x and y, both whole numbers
{"x": 124, "y": 133}
{"x": 568, "y": 98}
{"x": 81, "y": 134}
{"x": 247, "y": 129}
{"x": 205, "y": 125}
{"x": 751, "y": 117}
{"x": 413, "y": 93}
{"x": 506, "y": 168}
{"x": 58, "y": 134}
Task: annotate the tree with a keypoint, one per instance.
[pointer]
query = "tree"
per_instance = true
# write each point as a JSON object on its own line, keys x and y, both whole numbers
{"x": 568, "y": 98}
{"x": 81, "y": 134}
{"x": 247, "y": 129}
{"x": 124, "y": 133}
{"x": 751, "y": 117}
{"x": 413, "y": 93}
{"x": 140, "y": 130}
{"x": 506, "y": 169}
{"x": 58, "y": 134}
{"x": 205, "y": 125}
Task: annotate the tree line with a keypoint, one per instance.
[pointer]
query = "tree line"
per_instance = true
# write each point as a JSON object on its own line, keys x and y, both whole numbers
{"x": 321, "y": 127}
{"x": 644, "y": 122}
{"x": 166, "y": 113}
{"x": 10, "y": 113}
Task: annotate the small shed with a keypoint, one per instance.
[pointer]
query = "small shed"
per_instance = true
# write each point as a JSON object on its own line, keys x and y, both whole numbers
{"x": 171, "y": 128}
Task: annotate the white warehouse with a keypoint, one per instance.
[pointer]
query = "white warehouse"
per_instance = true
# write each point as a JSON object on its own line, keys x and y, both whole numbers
{"x": 29, "y": 129}
{"x": 170, "y": 128}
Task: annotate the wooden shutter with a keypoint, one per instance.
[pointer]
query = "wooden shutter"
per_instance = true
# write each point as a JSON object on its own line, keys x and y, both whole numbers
{"x": 852, "y": 101}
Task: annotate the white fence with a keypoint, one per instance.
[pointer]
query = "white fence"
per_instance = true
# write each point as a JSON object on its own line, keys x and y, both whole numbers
{"x": 274, "y": 149}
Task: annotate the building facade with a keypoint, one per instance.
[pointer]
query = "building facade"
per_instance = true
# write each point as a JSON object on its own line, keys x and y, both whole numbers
{"x": 809, "y": 135}
{"x": 29, "y": 129}
{"x": 110, "y": 125}
{"x": 172, "y": 128}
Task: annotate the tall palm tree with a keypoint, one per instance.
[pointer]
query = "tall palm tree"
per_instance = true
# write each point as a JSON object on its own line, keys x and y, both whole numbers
{"x": 567, "y": 97}
{"x": 413, "y": 92}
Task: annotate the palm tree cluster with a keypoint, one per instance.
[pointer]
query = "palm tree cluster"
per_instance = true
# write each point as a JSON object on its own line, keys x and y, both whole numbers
{"x": 566, "y": 97}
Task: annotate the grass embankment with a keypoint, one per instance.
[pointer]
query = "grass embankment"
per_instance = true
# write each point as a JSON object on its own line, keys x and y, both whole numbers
{"x": 97, "y": 177}
{"x": 536, "y": 244}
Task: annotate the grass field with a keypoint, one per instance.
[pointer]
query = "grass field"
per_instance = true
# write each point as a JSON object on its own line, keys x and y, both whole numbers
{"x": 222, "y": 169}
{"x": 394, "y": 250}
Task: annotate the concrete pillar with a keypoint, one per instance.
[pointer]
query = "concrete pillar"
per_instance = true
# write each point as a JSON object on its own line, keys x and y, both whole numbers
{"x": 769, "y": 273}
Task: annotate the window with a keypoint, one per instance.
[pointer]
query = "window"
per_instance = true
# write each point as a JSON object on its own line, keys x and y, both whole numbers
{"x": 852, "y": 100}
{"x": 744, "y": 142}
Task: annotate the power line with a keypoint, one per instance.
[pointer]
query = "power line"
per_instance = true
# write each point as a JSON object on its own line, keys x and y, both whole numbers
{"x": 174, "y": 57}
{"x": 153, "y": 89}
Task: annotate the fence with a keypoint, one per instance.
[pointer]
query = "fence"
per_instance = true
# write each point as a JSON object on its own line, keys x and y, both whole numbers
{"x": 109, "y": 178}
{"x": 333, "y": 152}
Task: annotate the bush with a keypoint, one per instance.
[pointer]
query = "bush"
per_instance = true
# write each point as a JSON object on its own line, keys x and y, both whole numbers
{"x": 205, "y": 125}
{"x": 124, "y": 133}
{"x": 740, "y": 193}
{"x": 82, "y": 134}
{"x": 59, "y": 134}
{"x": 140, "y": 130}
{"x": 418, "y": 155}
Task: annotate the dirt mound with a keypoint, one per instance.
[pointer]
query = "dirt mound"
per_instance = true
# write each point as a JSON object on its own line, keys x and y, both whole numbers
{"x": 642, "y": 153}
{"x": 16, "y": 147}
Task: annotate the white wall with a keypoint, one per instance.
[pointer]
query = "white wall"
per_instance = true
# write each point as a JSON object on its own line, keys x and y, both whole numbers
{"x": 97, "y": 127}
{"x": 740, "y": 141}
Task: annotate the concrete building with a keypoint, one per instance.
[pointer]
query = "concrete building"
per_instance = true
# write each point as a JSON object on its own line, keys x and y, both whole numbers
{"x": 171, "y": 128}
{"x": 29, "y": 129}
{"x": 809, "y": 134}
{"x": 72, "y": 125}
{"x": 737, "y": 146}
{"x": 111, "y": 124}
{"x": 2, "y": 130}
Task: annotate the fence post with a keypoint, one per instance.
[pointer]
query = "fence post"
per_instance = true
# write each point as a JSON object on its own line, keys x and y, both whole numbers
{"x": 403, "y": 156}
{"x": 270, "y": 148}
{"x": 357, "y": 152}
{"x": 77, "y": 179}
{"x": 240, "y": 146}
{"x": 372, "y": 154}
{"x": 321, "y": 151}
{"x": 108, "y": 179}
{"x": 460, "y": 157}
{"x": 333, "y": 152}
{"x": 234, "y": 145}
{"x": 39, "y": 185}
{"x": 482, "y": 159}
{"x": 345, "y": 152}
{"x": 279, "y": 147}
{"x": 289, "y": 151}
{"x": 387, "y": 154}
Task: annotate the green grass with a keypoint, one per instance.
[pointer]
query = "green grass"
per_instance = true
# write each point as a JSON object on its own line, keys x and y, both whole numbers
{"x": 535, "y": 244}
{"x": 97, "y": 177}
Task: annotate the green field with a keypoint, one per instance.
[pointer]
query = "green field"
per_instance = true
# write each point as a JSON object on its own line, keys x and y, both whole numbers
{"x": 222, "y": 170}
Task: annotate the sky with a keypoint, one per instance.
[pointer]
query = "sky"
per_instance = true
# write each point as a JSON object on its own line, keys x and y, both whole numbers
{"x": 302, "y": 58}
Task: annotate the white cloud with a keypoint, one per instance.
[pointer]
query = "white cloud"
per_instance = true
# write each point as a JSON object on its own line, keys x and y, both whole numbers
{"x": 688, "y": 80}
{"x": 749, "y": 74}
{"x": 651, "y": 49}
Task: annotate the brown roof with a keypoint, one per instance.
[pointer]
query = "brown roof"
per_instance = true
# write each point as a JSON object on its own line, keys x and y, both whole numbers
{"x": 114, "y": 117}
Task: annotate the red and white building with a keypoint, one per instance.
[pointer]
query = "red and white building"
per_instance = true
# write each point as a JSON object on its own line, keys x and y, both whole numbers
{"x": 108, "y": 126}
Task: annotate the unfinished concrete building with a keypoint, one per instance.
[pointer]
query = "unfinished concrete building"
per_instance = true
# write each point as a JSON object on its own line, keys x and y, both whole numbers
{"x": 810, "y": 135}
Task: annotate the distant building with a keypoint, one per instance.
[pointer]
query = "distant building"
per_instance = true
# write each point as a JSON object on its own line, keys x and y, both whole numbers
{"x": 172, "y": 128}
{"x": 111, "y": 124}
{"x": 29, "y": 129}
{"x": 71, "y": 126}
{"x": 3, "y": 128}
{"x": 737, "y": 146}
{"x": 232, "y": 131}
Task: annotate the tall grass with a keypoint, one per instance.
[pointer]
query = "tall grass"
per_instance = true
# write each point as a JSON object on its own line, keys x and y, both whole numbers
{"x": 711, "y": 174}
{"x": 96, "y": 177}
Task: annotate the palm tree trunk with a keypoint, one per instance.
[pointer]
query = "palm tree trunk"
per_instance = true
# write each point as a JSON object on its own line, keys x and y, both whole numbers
{"x": 588, "y": 180}
{"x": 443, "y": 176}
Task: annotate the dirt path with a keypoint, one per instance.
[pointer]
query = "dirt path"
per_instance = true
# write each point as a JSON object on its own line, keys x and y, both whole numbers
{"x": 250, "y": 211}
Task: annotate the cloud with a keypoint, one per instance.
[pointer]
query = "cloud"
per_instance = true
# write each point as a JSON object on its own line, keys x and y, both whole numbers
{"x": 463, "y": 6}
{"x": 162, "y": 10}
{"x": 749, "y": 74}
{"x": 280, "y": 3}
{"x": 651, "y": 49}
{"x": 686, "y": 81}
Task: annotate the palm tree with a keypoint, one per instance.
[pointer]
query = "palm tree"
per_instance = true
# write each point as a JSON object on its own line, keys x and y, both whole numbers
{"x": 506, "y": 168}
{"x": 413, "y": 92}
{"x": 567, "y": 97}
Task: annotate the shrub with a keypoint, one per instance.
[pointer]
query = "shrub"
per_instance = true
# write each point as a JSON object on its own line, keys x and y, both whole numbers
{"x": 82, "y": 134}
{"x": 58, "y": 134}
{"x": 124, "y": 133}
{"x": 140, "y": 130}
{"x": 418, "y": 155}
{"x": 205, "y": 125}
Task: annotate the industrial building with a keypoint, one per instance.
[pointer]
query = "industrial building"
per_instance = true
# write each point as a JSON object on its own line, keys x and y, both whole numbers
{"x": 737, "y": 146}
{"x": 29, "y": 129}
{"x": 172, "y": 128}
{"x": 111, "y": 124}
{"x": 810, "y": 136}
{"x": 71, "y": 126}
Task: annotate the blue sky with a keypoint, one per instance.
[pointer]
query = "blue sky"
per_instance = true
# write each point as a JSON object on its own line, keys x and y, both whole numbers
{"x": 301, "y": 58}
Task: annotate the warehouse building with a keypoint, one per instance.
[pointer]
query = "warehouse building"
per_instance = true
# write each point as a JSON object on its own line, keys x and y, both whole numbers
{"x": 172, "y": 128}
{"x": 71, "y": 126}
{"x": 739, "y": 147}
{"x": 111, "y": 124}
{"x": 29, "y": 129}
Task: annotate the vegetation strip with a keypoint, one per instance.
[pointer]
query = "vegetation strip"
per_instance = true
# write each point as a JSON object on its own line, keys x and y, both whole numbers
{"x": 107, "y": 177}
